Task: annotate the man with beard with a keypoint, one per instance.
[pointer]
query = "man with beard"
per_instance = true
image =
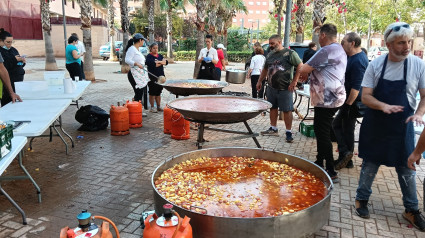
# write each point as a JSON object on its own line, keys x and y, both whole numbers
{"x": 327, "y": 92}
{"x": 389, "y": 89}
{"x": 281, "y": 82}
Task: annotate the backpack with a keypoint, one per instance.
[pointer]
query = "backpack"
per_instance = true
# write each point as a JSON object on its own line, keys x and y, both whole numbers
{"x": 92, "y": 117}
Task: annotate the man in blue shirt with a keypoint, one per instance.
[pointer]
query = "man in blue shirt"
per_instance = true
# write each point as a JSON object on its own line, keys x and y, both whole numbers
{"x": 345, "y": 121}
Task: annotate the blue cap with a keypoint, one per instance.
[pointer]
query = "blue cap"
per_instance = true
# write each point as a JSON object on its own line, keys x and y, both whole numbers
{"x": 139, "y": 36}
{"x": 83, "y": 215}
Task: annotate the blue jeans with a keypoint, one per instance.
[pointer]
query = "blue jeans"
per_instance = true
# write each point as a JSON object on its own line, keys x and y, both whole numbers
{"x": 406, "y": 179}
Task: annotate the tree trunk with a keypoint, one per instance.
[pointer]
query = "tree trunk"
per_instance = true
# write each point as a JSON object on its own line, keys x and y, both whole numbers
{"x": 279, "y": 21}
{"x": 124, "y": 27}
{"x": 151, "y": 19}
{"x": 200, "y": 26}
{"x": 86, "y": 11}
{"x": 318, "y": 18}
{"x": 299, "y": 16}
{"x": 45, "y": 24}
{"x": 111, "y": 16}
{"x": 169, "y": 31}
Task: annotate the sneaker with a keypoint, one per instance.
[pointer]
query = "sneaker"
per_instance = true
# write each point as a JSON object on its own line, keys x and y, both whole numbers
{"x": 350, "y": 164}
{"x": 334, "y": 176}
{"x": 270, "y": 132}
{"x": 289, "y": 138}
{"x": 159, "y": 109}
{"x": 344, "y": 161}
{"x": 361, "y": 208}
{"x": 153, "y": 109}
{"x": 415, "y": 218}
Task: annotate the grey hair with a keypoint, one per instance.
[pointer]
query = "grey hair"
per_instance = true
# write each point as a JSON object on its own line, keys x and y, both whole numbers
{"x": 354, "y": 37}
{"x": 390, "y": 34}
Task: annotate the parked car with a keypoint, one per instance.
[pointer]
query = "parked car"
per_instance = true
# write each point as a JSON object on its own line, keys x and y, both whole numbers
{"x": 376, "y": 51}
{"x": 143, "y": 49}
{"x": 105, "y": 50}
{"x": 297, "y": 47}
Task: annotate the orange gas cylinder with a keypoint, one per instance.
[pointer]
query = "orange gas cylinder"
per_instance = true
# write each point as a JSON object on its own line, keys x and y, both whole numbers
{"x": 135, "y": 114}
{"x": 167, "y": 119}
{"x": 180, "y": 128}
{"x": 169, "y": 225}
{"x": 119, "y": 120}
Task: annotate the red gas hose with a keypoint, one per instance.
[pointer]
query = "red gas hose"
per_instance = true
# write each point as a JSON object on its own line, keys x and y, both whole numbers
{"x": 110, "y": 222}
{"x": 178, "y": 225}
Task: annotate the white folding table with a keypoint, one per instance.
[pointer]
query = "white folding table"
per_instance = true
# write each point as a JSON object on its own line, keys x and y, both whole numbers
{"x": 18, "y": 143}
{"x": 41, "y": 114}
{"x": 57, "y": 92}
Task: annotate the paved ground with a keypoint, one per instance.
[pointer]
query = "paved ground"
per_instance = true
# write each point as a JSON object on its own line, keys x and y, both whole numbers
{"x": 110, "y": 175}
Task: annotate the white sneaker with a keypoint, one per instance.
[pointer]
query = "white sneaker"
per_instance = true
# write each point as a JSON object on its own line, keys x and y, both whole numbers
{"x": 153, "y": 109}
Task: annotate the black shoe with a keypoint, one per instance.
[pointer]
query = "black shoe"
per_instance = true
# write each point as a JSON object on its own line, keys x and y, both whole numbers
{"x": 361, "y": 208}
{"x": 344, "y": 161}
{"x": 289, "y": 137}
{"x": 334, "y": 176}
{"x": 415, "y": 218}
{"x": 350, "y": 164}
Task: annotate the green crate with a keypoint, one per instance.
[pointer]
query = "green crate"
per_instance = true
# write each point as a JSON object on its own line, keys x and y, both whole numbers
{"x": 307, "y": 129}
{"x": 6, "y": 135}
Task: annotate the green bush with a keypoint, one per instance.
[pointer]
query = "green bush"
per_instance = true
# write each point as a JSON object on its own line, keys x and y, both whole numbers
{"x": 233, "y": 56}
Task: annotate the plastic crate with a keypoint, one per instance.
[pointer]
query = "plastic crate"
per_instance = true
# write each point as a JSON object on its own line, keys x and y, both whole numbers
{"x": 6, "y": 135}
{"x": 307, "y": 129}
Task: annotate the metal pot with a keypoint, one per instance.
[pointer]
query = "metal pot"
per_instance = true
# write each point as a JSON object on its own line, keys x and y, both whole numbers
{"x": 298, "y": 224}
{"x": 235, "y": 76}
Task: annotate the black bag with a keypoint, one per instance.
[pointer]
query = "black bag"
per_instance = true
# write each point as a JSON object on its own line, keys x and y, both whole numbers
{"x": 92, "y": 117}
{"x": 361, "y": 108}
{"x": 207, "y": 71}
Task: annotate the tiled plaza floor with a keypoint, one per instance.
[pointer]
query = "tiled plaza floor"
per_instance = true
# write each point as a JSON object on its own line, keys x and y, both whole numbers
{"x": 110, "y": 175}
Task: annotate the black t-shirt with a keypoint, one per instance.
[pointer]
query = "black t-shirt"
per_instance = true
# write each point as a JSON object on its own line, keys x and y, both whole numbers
{"x": 11, "y": 63}
{"x": 158, "y": 71}
{"x": 356, "y": 67}
{"x": 308, "y": 54}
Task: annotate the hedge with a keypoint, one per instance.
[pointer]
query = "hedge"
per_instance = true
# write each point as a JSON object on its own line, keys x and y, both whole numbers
{"x": 232, "y": 56}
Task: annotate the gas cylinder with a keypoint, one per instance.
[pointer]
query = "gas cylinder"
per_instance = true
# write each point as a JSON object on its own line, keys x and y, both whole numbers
{"x": 119, "y": 120}
{"x": 180, "y": 128}
{"x": 167, "y": 119}
{"x": 168, "y": 225}
{"x": 135, "y": 114}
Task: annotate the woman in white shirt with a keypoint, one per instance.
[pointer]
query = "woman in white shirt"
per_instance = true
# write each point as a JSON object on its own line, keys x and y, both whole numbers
{"x": 137, "y": 76}
{"x": 254, "y": 71}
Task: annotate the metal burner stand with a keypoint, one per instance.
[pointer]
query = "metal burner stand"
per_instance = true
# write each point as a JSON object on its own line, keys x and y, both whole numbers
{"x": 201, "y": 141}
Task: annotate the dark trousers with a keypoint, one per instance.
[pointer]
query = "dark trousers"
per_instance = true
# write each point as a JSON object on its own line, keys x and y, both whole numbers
{"x": 323, "y": 118}
{"x": 344, "y": 131}
{"x": 82, "y": 71}
{"x": 74, "y": 69}
{"x": 218, "y": 73}
{"x": 140, "y": 94}
{"x": 6, "y": 98}
{"x": 254, "y": 81}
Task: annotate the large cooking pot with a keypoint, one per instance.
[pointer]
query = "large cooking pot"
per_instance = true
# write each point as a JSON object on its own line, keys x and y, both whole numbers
{"x": 235, "y": 76}
{"x": 175, "y": 87}
{"x": 298, "y": 224}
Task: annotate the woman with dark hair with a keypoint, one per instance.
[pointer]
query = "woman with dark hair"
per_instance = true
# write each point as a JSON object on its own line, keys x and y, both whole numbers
{"x": 73, "y": 61}
{"x": 138, "y": 76}
{"x": 13, "y": 62}
{"x": 155, "y": 63}
{"x": 254, "y": 71}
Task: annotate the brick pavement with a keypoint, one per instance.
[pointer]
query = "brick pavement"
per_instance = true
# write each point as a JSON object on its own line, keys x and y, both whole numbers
{"x": 110, "y": 175}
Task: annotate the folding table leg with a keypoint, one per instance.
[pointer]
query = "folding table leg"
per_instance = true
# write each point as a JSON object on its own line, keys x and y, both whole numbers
{"x": 24, "y": 218}
{"x": 250, "y": 132}
{"x": 200, "y": 135}
{"x": 64, "y": 132}
{"x": 29, "y": 177}
{"x": 66, "y": 144}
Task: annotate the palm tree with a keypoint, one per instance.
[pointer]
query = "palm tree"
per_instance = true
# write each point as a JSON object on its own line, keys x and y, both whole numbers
{"x": 47, "y": 28}
{"x": 200, "y": 35}
{"x": 111, "y": 16}
{"x": 169, "y": 6}
{"x": 279, "y": 5}
{"x": 124, "y": 27}
{"x": 151, "y": 19}
{"x": 299, "y": 20}
{"x": 318, "y": 19}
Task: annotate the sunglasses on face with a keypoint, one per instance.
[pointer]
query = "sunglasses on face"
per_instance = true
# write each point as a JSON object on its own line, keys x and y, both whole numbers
{"x": 397, "y": 28}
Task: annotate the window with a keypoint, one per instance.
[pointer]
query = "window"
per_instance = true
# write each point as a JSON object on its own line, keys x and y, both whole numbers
{"x": 234, "y": 20}
{"x": 264, "y": 3}
{"x": 250, "y": 11}
{"x": 264, "y": 12}
{"x": 264, "y": 20}
{"x": 249, "y": 20}
{"x": 258, "y": 3}
{"x": 257, "y": 12}
{"x": 251, "y": 3}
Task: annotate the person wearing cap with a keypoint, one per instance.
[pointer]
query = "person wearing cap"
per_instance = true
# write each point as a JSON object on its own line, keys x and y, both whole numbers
{"x": 389, "y": 89}
{"x": 220, "y": 66}
{"x": 137, "y": 76}
{"x": 208, "y": 58}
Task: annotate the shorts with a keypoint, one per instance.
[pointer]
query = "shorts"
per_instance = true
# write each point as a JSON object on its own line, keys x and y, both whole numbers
{"x": 154, "y": 89}
{"x": 282, "y": 99}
